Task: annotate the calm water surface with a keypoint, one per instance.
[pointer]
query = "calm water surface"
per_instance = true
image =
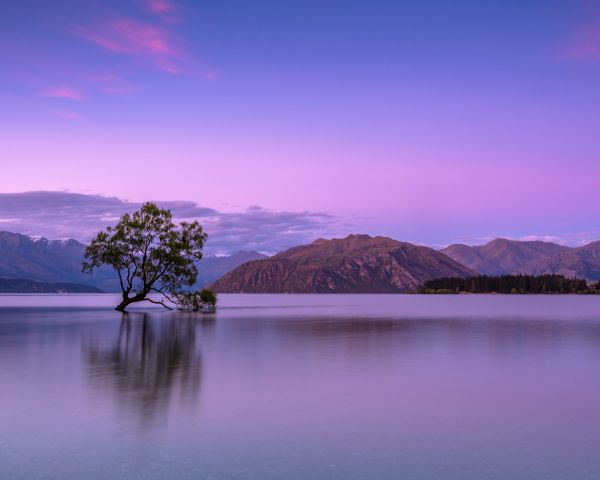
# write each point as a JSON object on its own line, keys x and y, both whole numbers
{"x": 302, "y": 387}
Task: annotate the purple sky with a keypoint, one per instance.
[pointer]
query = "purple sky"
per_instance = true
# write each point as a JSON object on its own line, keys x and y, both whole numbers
{"x": 433, "y": 122}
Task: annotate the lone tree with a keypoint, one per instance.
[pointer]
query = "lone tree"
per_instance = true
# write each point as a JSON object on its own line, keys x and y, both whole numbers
{"x": 150, "y": 253}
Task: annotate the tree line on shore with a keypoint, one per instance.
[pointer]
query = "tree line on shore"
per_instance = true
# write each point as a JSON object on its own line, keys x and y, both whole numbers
{"x": 510, "y": 284}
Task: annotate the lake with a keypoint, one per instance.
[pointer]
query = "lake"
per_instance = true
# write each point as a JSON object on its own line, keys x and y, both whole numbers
{"x": 302, "y": 387}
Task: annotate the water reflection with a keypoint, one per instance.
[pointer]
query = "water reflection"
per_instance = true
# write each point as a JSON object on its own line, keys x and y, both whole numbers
{"x": 336, "y": 387}
{"x": 150, "y": 364}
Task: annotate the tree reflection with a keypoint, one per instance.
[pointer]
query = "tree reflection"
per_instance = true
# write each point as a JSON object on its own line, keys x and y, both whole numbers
{"x": 151, "y": 363}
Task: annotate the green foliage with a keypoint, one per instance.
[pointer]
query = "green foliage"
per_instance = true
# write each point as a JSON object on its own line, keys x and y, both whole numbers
{"x": 513, "y": 284}
{"x": 438, "y": 291}
{"x": 188, "y": 301}
{"x": 149, "y": 252}
{"x": 445, "y": 291}
{"x": 194, "y": 301}
{"x": 207, "y": 296}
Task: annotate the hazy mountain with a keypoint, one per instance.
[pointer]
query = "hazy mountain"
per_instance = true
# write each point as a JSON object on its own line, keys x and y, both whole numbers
{"x": 43, "y": 260}
{"x": 502, "y": 256}
{"x": 355, "y": 264}
{"x": 358, "y": 263}
{"x": 582, "y": 262}
{"x": 22, "y": 285}
{"x": 211, "y": 267}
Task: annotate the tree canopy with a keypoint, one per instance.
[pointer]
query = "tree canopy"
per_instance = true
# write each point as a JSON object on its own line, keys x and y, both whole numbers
{"x": 150, "y": 253}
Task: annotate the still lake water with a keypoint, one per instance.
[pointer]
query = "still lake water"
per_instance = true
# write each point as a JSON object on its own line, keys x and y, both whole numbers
{"x": 302, "y": 387}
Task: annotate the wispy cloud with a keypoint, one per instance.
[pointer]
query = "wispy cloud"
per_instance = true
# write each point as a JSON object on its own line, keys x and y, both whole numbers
{"x": 573, "y": 239}
{"x": 570, "y": 239}
{"x": 584, "y": 44}
{"x": 165, "y": 9}
{"x": 60, "y": 215}
{"x": 160, "y": 6}
{"x": 63, "y": 92}
{"x": 149, "y": 36}
{"x": 136, "y": 38}
{"x": 542, "y": 238}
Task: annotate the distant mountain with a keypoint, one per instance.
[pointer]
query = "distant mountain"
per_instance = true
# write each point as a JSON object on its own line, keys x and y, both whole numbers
{"x": 43, "y": 260}
{"x": 358, "y": 263}
{"x": 211, "y": 267}
{"x": 502, "y": 256}
{"x": 355, "y": 264}
{"x": 582, "y": 262}
{"x": 22, "y": 285}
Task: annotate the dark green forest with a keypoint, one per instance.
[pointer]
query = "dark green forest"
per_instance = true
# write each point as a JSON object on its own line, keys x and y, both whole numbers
{"x": 513, "y": 284}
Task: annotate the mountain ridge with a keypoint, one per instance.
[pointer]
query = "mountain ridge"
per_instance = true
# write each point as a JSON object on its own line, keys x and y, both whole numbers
{"x": 354, "y": 264}
{"x": 213, "y": 267}
{"x": 24, "y": 285}
{"x": 59, "y": 261}
{"x": 39, "y": 259}
{"x": 504, "y": 256}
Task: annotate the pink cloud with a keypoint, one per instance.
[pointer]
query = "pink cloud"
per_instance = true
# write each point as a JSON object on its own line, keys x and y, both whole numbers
{"x": 131, "y": 37}
{"x": 63, "y": 92}
{"x": 585, "y": 44}
{"x": 161, "y": 6}
{"x": 165, "y": 9}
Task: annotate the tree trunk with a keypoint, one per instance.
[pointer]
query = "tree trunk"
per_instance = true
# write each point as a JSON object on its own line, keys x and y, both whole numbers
{"x": 121, "y": 306}
{"x": 127, "y": 300}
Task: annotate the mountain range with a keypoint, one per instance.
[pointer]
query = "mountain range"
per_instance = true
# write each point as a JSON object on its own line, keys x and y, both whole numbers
{"x": 355, "y": 264}
{"x": 502, "y": 256}
{"x": 59, "y": 261}
{"x": 211, "y": 267}
{"x": 43, "y": 260}
{"x": 22, "y": 285}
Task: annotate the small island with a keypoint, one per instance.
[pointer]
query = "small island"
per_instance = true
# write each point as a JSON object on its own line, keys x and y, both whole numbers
{"x": 510, "y": 284}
